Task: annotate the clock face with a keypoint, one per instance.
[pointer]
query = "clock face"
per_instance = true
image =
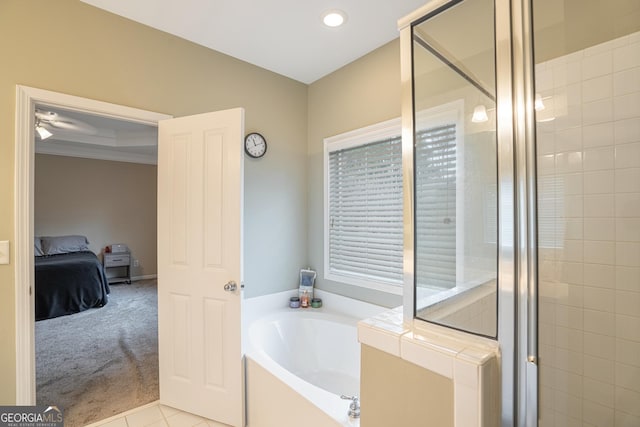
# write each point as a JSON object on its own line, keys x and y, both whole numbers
{"x": 255, "y": 145}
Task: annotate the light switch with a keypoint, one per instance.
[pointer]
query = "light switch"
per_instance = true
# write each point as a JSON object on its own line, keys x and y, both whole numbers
{"x": 4, "y": 252}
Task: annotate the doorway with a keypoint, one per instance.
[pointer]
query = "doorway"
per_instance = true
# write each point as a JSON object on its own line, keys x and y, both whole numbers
{"x": 26, "y": 100}
{"x": 95, "y": 178}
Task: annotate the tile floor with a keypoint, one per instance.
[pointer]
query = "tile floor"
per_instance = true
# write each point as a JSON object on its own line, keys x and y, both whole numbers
{"x": 156, "y": 415}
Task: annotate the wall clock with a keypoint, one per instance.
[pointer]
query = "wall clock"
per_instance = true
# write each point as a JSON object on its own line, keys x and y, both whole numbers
{"x": 255, "y": 145}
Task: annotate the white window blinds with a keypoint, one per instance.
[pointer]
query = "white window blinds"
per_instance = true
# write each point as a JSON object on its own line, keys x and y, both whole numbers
{"x": 435, "y": 207}
{"x": 365, "y": 211}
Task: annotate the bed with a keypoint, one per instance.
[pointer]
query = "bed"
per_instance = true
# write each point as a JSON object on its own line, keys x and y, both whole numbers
{"x": 69, "y": 278}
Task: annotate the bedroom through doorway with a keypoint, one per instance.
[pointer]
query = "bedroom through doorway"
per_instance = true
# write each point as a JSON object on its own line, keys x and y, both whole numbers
{"x": 95, "y": 180}
{"x": 89, "y": 189}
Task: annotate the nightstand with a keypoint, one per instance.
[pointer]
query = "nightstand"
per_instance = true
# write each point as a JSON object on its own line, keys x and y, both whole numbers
{"x": 122, "y": 263}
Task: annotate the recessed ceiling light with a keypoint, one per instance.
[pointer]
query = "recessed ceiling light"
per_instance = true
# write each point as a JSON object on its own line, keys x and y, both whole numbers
{"x": 334, "y": 18}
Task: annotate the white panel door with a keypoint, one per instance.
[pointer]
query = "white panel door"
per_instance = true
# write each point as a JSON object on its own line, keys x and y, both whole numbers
{"x": 200, "y": 193}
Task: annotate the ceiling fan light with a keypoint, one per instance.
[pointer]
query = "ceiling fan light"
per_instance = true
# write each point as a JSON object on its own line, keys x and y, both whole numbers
{"x": 44, "y": 134}
{"x": 334, "y": 18}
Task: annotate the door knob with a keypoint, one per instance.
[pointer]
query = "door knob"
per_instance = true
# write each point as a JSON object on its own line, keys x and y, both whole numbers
{"x": 231, "y": 286}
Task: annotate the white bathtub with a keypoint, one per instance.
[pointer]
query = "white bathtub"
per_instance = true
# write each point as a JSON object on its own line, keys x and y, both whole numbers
{"x": 299, "y": 361}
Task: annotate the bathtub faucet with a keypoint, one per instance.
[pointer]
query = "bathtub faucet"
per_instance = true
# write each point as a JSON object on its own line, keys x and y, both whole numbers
{"x": 354, "y": 407}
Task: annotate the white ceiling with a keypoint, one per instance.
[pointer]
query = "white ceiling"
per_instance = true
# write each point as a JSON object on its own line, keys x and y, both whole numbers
{"x": 284, "y": 36}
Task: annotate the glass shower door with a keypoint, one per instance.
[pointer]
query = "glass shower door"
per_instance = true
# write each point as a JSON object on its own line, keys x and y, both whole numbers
{"x": 455, "y": 167}
{"x": 587, "y": 102}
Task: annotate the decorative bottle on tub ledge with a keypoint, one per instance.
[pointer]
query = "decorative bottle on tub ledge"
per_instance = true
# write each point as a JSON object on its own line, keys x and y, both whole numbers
{"x": 305, "y": 290}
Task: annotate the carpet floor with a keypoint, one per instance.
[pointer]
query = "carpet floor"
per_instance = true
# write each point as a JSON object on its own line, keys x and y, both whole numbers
{"x": 102, "y": 361}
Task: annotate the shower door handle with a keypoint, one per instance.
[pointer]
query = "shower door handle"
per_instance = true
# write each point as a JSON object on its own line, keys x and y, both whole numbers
{"x": 230, "y": 286}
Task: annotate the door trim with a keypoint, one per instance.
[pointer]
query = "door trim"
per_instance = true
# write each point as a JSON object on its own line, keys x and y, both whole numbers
{"x": 26, "y": 100}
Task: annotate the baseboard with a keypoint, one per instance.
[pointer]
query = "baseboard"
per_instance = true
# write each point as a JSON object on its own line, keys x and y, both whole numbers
{"x": 145, "y": 277}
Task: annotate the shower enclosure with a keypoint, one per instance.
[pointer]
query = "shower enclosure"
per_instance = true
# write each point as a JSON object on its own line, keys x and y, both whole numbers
{"x": 587, "y": 85}
{"x": 521, "y": 140}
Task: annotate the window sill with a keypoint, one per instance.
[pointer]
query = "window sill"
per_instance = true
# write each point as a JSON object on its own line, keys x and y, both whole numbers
{"x": 364, "y": 283}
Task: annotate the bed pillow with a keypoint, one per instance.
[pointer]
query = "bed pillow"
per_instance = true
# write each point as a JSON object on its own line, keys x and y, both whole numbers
{"x": 64, "y": 244}
{"x": 37, "y": 247}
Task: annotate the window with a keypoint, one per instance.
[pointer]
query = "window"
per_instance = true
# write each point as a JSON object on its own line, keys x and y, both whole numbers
{"x": 439, "y": 197}
{"x": 436, "y": 191}
{"x": 364, "y": 203}
{"x": 363, "y": 207}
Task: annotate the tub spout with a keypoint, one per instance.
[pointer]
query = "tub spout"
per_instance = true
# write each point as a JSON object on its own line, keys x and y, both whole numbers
{"x": 354, "y": 407}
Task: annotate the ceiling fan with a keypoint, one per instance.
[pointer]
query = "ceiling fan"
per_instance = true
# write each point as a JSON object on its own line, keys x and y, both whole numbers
{"x": 49, "y": 121}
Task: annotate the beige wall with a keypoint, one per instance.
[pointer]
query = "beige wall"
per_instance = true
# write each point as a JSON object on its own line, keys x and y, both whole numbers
{"x": 109, "y": 202}
{"x": 395, "y": 392}
{"x": 362, "y": 93}
{"x": 67, "y": 46}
